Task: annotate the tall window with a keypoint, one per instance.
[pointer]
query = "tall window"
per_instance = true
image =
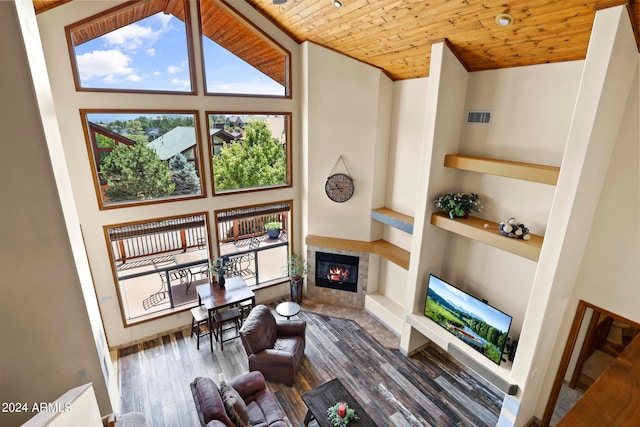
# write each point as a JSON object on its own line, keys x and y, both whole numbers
{"x": 249, "y": 151}
{"x": 144, "y": 46}
{"x": 143, "y": 157}
{"x": 238, "y": 58}
{"x": 158, "y": 264}
{"x": 255, "y": 240}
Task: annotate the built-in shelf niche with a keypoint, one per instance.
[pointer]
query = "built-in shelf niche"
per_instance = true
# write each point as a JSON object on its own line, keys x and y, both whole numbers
{"x": 474, "y": 228}
{"x": 519, "y": 170}
{"x": 394, "y": 219}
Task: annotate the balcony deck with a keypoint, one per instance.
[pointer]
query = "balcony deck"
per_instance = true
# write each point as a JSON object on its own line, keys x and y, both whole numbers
{"x": 141, "y": 280}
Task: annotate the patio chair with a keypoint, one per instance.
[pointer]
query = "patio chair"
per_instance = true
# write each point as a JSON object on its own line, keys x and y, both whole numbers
{"x": 183, "y": 276}
{"x": 158, "y": 297}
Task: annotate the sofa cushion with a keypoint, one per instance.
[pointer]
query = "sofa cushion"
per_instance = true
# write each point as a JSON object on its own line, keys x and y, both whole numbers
{"x": 233, "y": 402}
{"x": 263, "y": 409}
{"x": 289, "y": 344}
{"x": 209, "y": 402}
{"x": 259, "y": 329}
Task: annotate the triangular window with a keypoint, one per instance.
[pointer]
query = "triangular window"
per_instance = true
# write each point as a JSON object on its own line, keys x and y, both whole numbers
{"x": 144, "y": 46}
{"x": 238, "y": 58}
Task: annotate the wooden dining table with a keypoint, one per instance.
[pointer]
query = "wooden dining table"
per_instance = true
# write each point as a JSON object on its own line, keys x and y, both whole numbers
{"x": 215, "y": 298}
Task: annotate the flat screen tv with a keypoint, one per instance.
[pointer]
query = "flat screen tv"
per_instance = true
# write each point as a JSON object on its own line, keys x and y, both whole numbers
{"x": 473, "y": 321}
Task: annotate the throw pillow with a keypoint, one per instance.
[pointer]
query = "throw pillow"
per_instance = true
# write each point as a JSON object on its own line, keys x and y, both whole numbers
{"x": 233, "y": 402}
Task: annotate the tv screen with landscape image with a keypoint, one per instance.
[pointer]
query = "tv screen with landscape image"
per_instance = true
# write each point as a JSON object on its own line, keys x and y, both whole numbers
{"x": 473, "y": 321}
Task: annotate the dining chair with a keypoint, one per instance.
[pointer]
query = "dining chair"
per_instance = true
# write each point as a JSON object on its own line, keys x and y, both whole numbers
{"x": 201, "y": 325}
{"x": 226, "y": 319}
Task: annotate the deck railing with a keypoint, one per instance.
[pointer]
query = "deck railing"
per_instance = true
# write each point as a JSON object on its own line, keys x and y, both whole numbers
{"x": 144, "y": 240}
{"x": 246, "y": 228}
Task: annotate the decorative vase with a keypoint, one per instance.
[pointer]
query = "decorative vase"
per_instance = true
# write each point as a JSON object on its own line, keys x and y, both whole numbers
{"x": 221, "y": 281}
{"x": 296, "y": 290}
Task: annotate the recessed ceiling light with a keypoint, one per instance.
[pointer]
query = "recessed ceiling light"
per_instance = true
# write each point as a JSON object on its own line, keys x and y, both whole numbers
{"x": 338, "y": 3}
{"x": 279, "y": 1}
{"x": 504, "y": 19}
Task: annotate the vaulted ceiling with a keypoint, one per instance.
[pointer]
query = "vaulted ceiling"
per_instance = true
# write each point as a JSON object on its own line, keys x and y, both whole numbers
{"x": 396, "y": 35}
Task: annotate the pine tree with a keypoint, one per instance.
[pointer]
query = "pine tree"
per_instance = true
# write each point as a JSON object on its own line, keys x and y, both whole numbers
{"x": 183, "y": 175}
{"x": 135, "y": 173}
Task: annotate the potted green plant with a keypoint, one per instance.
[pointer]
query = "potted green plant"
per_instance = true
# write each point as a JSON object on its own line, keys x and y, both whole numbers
{"x": 297, "y": 267}
{"x": 458, "y": 205}
{"x": 273, "y": 229}
{"x": 218, "y": 267}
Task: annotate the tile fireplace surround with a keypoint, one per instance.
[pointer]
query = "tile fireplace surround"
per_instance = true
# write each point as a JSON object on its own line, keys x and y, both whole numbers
{"x": 334, "y": 296}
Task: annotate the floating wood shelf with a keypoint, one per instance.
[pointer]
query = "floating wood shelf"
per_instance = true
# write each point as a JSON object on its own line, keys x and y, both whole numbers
{"x": 526, "y": 171}
{"x": 473, "y": 228}
{"x": 380, "y": 247}
{"x": 394, "y": 219}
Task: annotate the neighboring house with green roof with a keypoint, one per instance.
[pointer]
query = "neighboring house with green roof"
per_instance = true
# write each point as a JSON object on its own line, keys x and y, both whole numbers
{"x": 181, "y": 139}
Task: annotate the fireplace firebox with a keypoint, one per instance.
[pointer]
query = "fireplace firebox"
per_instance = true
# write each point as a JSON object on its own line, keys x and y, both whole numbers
{"x": 337, "y": 271}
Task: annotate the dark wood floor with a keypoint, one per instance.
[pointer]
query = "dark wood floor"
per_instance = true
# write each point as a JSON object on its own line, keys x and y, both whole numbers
{"x": 428, "y": 389}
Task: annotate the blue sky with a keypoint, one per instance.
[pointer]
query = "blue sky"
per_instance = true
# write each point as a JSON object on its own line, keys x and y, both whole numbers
{"x": 470, "y": 304}
{"x": 151, "y": 54}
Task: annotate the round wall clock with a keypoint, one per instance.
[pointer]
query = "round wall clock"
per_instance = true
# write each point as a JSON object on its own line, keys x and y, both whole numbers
{"x": 339, "y": 187}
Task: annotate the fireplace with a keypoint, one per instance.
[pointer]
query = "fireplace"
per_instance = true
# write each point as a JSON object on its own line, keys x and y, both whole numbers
{"x": 337, "y": 271}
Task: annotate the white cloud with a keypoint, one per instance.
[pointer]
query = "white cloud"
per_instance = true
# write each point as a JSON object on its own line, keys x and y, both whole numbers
{"x": 172, "y": 69}
{"x": 131, "y": 37}
{"x": 181, "y": 83}
{"x": 134, "y": 78}
{"x": 103, "y": 63}
{"x": 249, "y": 87}
{"x": 164, "y": 19}
{"x": 151, "y": 52}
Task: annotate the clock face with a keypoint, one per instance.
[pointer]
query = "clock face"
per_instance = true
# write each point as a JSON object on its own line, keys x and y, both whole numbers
{"x": 339, "y": 187}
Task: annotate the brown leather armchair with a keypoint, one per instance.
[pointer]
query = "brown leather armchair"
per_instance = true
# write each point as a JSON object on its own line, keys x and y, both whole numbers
{"x": 275, "y": 348}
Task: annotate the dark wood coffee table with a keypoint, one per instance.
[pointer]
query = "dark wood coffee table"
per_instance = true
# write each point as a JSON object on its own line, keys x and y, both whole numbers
{"x": 328, "y": 394}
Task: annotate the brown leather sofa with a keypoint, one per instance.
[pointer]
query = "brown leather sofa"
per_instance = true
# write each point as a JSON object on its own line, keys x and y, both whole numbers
{"x": 260, "y": 406}
{"x": 275, "y": 348}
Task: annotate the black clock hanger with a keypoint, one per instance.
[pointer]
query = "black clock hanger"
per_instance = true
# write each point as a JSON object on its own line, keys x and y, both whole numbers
{"x": 340, "y": 159}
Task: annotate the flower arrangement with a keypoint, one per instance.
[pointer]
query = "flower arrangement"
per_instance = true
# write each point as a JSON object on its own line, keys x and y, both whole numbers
{"x": 340, "y": 415}
{"x": 458, "y": 204}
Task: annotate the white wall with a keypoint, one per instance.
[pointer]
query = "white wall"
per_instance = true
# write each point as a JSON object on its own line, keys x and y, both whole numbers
{"x": 48, "y": 343}
{"x": 405, "y": 141}
{"x": 407, "y": 131}
{"x": 606, "y": 81}
{"x": 68, "y": 102}
{"x": 531, "y": 113}
{"x": 609, "y": 274}
{"x": 348, "y": 115}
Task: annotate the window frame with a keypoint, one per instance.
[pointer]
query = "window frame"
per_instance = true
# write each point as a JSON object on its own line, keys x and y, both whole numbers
{"x": 76, "y": 26}
{"x": 287, "y": 146}
{"x": 290, "y": 231}
{"x": 95, "y": 173}
{"x": 164, "y": 313}
{"x": 258, "y": 32}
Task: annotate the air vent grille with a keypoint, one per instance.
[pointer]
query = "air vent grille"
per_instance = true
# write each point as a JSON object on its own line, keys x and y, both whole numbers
{"x": 479, "y": 117}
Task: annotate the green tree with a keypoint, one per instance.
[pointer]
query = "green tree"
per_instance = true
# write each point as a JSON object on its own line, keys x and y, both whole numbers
{"x": 258, "y": 161}
{"x": 135, "y": 173}
{"x": 183, "y": 175}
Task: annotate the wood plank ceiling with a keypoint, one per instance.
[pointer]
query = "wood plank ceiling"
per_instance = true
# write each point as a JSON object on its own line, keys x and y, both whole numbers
{"x": 396, "y": 35}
